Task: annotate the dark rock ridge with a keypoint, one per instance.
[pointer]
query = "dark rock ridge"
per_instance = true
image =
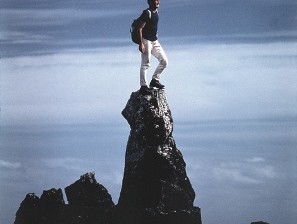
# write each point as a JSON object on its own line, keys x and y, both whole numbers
{"x": 89, "y": 203}
{"x": 259, "y": 222}
{"x": 29, "y": 210}
{"x": 155, "y": 188}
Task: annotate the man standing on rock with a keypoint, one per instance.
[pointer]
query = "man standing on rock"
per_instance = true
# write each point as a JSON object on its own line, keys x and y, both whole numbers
{"x": 149, "y": 45}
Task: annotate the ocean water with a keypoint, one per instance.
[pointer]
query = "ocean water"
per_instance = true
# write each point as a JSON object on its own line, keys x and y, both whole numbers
{"x": 241, "y": 170}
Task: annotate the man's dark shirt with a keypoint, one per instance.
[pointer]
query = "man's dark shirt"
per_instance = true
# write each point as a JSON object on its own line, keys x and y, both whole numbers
{"x": 150, "y": 30}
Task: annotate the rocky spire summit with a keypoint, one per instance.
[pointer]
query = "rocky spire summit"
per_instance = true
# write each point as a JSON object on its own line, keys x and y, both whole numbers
{"x": 155, "y": 186}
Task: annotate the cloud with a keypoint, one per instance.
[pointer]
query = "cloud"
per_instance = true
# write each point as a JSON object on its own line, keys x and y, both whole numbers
{"x": 255, "y": 160}
{"x": 222, "y": 82}
{"x": 77, "y": 165}
{"x": 232, "y": 1}
{"x": 64, "y": 163}
{"x": 9, "y": 165}
{"x": 77, "y": 83}
{"x": 234, "y": 79}
{"x": 18, "y": 37}
{"x": 233, "y": 174}
{"x": 211, "y": 169}
{"x": 33, "y": 28}
{"x": 244, "y": 172}
{"x": 26, "y": 17}
{"x": 50, "y": 26}
{"x": 114, "y": 176}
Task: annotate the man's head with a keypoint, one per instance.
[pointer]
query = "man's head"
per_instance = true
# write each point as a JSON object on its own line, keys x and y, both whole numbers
{"x": 154, "y": 4}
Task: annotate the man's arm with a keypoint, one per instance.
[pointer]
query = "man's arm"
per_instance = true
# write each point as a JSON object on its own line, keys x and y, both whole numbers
{"x": 141, "y": 46}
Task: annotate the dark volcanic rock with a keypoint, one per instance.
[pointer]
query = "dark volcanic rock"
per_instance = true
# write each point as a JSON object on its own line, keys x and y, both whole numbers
{"x": 89, "y": 201}
{"x": 29, "y": 210}
{"x": 51, "y": 206}
{"x": 259, "y": 222}
{"x": 48, "y": 209}
{"x": 149, "y": 117}
{"x": 155, "y": 187}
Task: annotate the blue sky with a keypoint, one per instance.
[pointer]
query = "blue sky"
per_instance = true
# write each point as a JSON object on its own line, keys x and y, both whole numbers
{"x": 70, "y": 63}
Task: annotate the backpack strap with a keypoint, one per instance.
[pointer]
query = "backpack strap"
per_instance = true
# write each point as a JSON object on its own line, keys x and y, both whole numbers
{"x": 150, "y": 13}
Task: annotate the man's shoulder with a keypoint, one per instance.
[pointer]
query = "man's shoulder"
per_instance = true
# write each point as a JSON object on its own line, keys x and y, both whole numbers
{"x": 146, "y": 11}
{"x": 146, "y": 15}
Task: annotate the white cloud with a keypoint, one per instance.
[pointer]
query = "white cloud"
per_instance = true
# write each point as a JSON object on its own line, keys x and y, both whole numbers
{"x": 64, "y": 163}
{"x": 26, "y": 17}
{"x": 267, "y": 172}
{"x": 68, "y": 85}
{"x": 233, "y": 174}
{"x": 18, "y": 37}
{"x": 255, "y": 160}
{"x": 211, "y": 81}
{"x": 176, "y": 3}
{"x": 9, "y": 165}
{"x": 104, "y": 174}
{"x": 254, "y": 80}
{"x": 114, "y": 176}
{"x": 245, "y": 172}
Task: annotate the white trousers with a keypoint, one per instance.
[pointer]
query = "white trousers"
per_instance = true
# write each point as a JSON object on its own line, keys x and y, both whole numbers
{"x": 152, "y": 48}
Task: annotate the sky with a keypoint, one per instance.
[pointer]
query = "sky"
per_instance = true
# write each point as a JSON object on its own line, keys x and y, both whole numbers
{"x": 68, "y": 68}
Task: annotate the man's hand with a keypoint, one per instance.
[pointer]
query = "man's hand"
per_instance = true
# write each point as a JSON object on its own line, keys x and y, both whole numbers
{"x": 141, "y": 47}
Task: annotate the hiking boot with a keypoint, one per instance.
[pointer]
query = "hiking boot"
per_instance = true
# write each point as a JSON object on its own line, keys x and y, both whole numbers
{"x": 144, "y": 90}
{"x": 157, "y": 84}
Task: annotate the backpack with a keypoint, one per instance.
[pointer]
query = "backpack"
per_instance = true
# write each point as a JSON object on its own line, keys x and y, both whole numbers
{"x": 134, "y": 29}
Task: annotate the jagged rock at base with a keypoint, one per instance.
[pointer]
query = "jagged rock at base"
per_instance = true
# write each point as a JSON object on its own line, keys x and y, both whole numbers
{"x": 28, "y": 211}
{"x": 89, "y": 203}
{"x": 51, "y": 206}
{"x": 155, "y": 188}
{"x": 259, "y": 222}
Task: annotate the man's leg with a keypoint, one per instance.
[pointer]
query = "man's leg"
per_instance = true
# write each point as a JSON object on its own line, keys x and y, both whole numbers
{"x": 159, "y": 53}
{"x": 145, "y": 62}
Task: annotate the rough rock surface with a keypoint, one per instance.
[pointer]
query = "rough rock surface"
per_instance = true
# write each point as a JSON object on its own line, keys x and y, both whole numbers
{"x": 155, "y": 188}
{"x": 89, "y": 203}
{"x": 28, "y": 211}
{"x": 47, "y": 209}
{"x": 259, "y": 222}
{"x": 52, "y": 205}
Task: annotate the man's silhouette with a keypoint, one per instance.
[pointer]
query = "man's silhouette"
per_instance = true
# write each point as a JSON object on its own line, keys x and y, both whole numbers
{"x": 149, "y": 45}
